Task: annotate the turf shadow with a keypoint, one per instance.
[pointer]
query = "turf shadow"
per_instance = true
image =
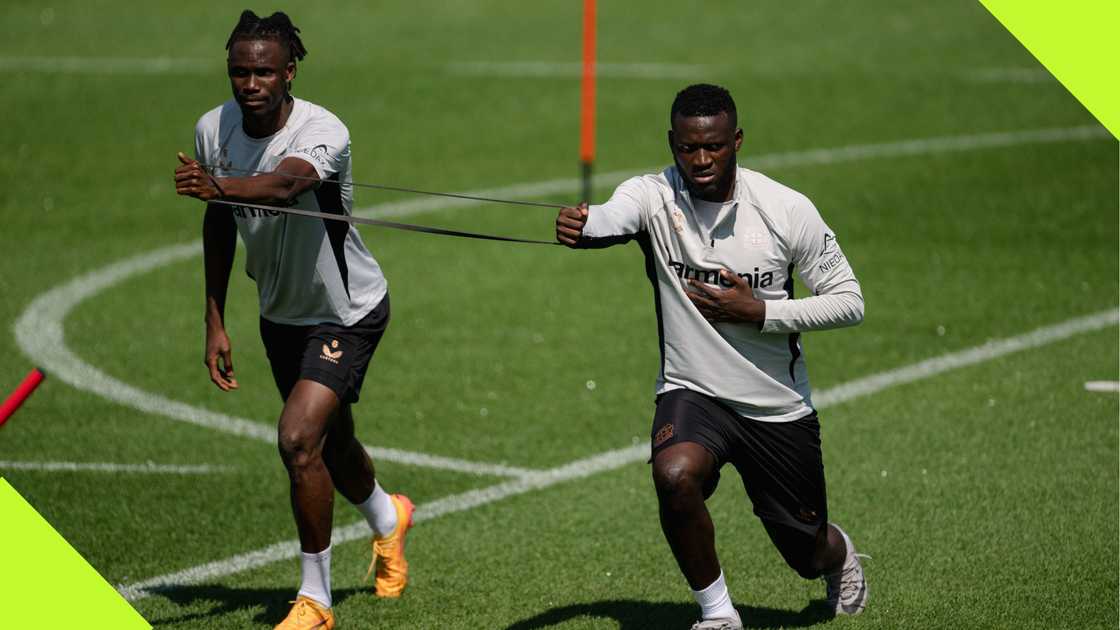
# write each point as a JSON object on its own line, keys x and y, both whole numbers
{"x": 227, "y": 600}
{"x": 638, "y": 615}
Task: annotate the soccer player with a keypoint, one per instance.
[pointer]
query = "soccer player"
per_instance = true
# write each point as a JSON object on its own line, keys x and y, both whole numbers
{"x": 324, "y": 302}
{"x": 721, "y": 245}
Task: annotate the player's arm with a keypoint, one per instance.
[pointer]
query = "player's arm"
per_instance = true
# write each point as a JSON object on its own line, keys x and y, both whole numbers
{"x": 219, "y": 242}
{"x": 837, "y": 299}
{"x": 616, "y": 221}
{"x": 291, "y": 178}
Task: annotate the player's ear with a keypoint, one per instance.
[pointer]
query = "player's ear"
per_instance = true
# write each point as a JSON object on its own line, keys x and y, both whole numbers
{"x": 672, "y": 149}
{"x": 738, "y": 138}
{"x": 289, "y": 74}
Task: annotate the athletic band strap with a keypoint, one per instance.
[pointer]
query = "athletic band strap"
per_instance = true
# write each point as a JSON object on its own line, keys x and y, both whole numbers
{"x": 210, "y": 168}
{"x": 380, "y": 223}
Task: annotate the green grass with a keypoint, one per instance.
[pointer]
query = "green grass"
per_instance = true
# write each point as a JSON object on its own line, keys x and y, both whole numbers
{"x": 988, "y": 496}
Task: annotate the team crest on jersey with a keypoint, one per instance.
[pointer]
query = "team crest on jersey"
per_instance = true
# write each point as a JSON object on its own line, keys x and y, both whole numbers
{"x": 756, "y": 239}
{"x": 331, "y": 353}
{"x": 224, "y": 163}
{"x": 678, "y": 221}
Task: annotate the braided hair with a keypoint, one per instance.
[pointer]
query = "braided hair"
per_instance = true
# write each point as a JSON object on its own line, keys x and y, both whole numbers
{"x": 277, "y": 27}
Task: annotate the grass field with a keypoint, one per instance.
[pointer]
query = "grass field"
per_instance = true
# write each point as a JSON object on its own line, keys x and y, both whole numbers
{"x": 975, "y": 198}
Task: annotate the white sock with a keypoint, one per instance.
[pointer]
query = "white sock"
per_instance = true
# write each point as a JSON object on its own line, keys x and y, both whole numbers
{"x": 715, "y": 601}
{"x": 379, "y": 511}
{"x": 316, "y": 582}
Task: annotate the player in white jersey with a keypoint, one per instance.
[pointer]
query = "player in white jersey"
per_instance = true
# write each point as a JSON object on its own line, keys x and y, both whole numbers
{"x": 324, "y": 302}
{"x": 721, "y": 245}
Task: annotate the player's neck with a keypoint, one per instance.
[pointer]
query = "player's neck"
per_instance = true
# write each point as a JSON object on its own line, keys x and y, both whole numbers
{"x": 268, "y": 123}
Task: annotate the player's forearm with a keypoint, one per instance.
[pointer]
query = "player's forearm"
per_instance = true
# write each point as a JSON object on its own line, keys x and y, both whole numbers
{"x": 270, "y": 189}
{"x": 819, "y": 312}
{"x": 219, "y": 242}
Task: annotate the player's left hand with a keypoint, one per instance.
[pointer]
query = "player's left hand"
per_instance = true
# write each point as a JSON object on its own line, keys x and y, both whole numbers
{"x": 736, "y": 304}
{"x": 192, "y": 180}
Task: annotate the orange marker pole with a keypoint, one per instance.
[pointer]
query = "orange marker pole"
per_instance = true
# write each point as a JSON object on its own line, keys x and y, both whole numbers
{"x": 587, "y": 99}
{"x": 30, "y": 382}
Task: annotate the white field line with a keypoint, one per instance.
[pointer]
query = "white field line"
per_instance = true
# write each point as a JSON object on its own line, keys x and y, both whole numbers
{"x": 807, "y": 157}
{"x": 1102, "y": 386}
{"x": 612, "y": 460}
{"x": 954, "y": 360}
{"x": 107, "y": 65}
{"x": 39, "y": 330}
{"x": 148, "y": 467}
{"x": 574, "y": 70}
{"x": 40, "y": 334}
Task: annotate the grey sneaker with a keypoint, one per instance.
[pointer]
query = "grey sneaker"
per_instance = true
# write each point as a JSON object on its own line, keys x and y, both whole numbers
{"x": 847, "y": 588}
{"x": 718, "y": 624}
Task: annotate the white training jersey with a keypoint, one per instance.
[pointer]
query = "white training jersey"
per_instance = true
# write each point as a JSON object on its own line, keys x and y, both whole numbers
{"x": 308, "y": 271}
{"x": 767, "y": 233}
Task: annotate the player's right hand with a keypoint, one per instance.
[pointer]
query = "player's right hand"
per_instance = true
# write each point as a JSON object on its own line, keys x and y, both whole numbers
{"x": 219, "y": 359}
{"x": 569, "y": 224}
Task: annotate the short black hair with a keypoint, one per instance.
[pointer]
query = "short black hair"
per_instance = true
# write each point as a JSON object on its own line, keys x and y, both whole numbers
{"x": 277, "y": 27}
{"x": 704, "y": 99}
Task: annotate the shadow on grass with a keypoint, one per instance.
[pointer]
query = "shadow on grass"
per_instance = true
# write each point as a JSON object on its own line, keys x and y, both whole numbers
{"x": 224, "y": 600}
{"x": 638, "y": 615}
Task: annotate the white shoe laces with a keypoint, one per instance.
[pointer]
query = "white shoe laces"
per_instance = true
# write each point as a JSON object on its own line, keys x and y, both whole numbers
{"x": 844, "y": 585}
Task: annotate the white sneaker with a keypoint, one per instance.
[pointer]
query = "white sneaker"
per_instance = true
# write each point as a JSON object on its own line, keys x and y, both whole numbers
{"x": 718, "y": 624}
{"x": 847, "y": 588}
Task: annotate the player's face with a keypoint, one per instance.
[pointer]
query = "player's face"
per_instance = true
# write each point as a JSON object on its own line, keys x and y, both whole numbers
{"x": 259, "y": 72}
{"x": 704, "y": 148}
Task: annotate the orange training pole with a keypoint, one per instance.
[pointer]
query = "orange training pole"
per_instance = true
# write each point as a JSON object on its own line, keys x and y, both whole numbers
{"x": 587, "y": 98}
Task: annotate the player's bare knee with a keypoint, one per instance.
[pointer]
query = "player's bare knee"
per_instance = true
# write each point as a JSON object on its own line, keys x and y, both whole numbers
{"x": 298, "y": 446}
{"x": 676, "y": 478}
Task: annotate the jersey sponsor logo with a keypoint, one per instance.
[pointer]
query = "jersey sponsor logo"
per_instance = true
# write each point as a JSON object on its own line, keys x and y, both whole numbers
{"x": 754, "y": 279}
{"x": 831, "y": 249}
{"x": 243, "y": 212}
{"x": 317, "y": 153}
{"x": 329, "y": 355}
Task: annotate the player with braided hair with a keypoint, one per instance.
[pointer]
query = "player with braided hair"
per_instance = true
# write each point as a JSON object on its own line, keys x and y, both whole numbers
{"x": 324, "y": 301}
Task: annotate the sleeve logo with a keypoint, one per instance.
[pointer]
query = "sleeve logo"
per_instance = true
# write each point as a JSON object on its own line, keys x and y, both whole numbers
{"x": 830, "y": 254}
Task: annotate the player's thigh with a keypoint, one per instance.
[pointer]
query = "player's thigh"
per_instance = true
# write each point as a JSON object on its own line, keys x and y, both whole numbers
{"x": 783, "y": 473}
{"x": 338, "y": 356}
{"x": 687, "y": 417}
{"x": 284, "y": 346}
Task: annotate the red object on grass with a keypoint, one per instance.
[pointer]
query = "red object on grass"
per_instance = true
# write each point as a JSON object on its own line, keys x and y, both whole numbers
{"x": 30, "y": 382}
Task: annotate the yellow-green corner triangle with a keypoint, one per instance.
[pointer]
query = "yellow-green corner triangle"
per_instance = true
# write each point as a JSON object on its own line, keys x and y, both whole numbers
{"x": 45, "y": 582}
{"x": 1077, "y": 42}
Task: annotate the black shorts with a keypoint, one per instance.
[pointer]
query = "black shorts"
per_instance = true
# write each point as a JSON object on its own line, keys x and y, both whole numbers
{"x": 780, "y": 462}
{"x": 331, "y": 354}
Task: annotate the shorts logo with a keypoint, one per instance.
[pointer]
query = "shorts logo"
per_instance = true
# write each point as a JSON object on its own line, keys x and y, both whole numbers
{"x": 327, "y": 355}
{"x": 663, "y": 435}
{"x": 806, "y": 515}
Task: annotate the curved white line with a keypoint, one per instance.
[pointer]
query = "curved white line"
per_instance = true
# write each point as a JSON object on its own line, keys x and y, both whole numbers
{"x": 618, "y": 458}
{"x": 149, "y": 467}
{"x": 39, "y": 332}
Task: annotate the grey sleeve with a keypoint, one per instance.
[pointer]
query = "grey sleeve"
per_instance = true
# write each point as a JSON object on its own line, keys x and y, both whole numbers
{"x": 837, "y": 299}
{"x": 620, "y": 218}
